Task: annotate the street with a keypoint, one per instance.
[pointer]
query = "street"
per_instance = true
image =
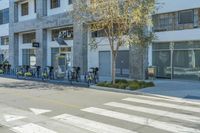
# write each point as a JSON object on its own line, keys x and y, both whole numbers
{"x": 37, "y": 107}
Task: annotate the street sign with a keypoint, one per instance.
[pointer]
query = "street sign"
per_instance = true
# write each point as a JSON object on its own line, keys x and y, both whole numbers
{"x": 36, "y": 44}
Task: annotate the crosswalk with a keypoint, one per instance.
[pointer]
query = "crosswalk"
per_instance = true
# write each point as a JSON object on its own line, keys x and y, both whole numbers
{"x": 155, "y": 114}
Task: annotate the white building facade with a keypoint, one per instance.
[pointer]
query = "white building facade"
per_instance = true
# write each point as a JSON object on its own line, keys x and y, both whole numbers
{"x": 4, "y": 33}
{"x": 176, "y": 49}
{"x": 174, "y": 52}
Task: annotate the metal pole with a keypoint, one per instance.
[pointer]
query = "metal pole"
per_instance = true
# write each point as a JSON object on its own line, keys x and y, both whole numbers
{"x": 171, "y": 50}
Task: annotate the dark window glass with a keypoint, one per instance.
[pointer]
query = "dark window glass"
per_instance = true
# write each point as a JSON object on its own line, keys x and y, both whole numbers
{"x": 69, "y": 2}
{"x": 4, "y": 16}
{"x": 29, "y": 37}
{"x": 100, "y": 33}
{"x": 5, "y": 40}
{"x": 67, "y": 31}
{"x": 54, "y": 52}
{"x": 26, "y": 56}
{"x": 24, "y": 9}
{"x": 55, "y": 3}
{"x": 35, "y": 6}
{"x": 186, "y": 17}
{"x": 1, "y": 16}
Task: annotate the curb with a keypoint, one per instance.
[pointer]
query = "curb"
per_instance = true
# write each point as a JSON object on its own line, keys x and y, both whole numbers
{"x": 116, "y": 90}
{"x": 79, "y": 84}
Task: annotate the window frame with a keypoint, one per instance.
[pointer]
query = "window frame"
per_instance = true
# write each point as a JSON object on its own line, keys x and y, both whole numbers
{"x": 57, "y": 4}
{"x": 22, "y": 9}
{"x": 3, "y": 39}
{"x": 179, "y": 15}
{"x": 30, "y": 39}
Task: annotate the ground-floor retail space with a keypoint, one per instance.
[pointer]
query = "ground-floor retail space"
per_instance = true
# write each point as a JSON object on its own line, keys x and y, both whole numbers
{"x": 177, "y": 59}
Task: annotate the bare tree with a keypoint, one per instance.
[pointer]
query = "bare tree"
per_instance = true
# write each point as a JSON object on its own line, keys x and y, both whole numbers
{"x": 122, "y": 21}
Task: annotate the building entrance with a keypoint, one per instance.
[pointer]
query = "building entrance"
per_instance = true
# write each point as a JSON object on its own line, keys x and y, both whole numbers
{"x": 62, "y": 61}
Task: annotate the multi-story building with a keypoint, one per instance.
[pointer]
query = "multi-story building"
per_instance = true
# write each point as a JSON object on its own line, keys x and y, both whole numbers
{"x": 39, "y": 22}
{"x": 34, "y": 26}
{"x": 176, "y": 49}
{"x": 4, "y": 33}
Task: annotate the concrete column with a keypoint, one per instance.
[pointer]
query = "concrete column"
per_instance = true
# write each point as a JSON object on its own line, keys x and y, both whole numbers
{"x": 13, "y": 38}
{"x": 41, "y": 52}
{"x": 138, "y": 62}
{"x": 14, "y": 49}
{"x": 80, "y": 46}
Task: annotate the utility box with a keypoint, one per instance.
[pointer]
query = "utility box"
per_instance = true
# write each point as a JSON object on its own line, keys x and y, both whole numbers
{"x": 152, "y": 72}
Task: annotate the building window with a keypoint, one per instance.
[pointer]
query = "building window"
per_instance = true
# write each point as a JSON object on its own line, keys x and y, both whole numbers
{"x": 1, "y": 58}
{"x": 67, "y": 31}
{"x": 4, "y": 16}
{"x": 28, "y": 57}
{"x": 28, "y": 38}
{"x": 5, "y": 40}
{"x": 69, "y": 2}
{"x": 186, "y": 17}
{"x": 55, "y": 3}
{"x": 35, "y": 6}
{"x": 24, "y": 9}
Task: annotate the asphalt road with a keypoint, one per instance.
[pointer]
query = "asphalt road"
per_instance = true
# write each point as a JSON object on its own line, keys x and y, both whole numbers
{"x": 36, "y": 107}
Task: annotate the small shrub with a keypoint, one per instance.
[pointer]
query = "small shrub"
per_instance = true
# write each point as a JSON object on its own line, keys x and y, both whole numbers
{"x": 123, "y": 84}
{"x": 121, "y": 81}
{"x": 101, "y": 84}
{"x": 134, "y": 86}
{"x": 149, "y": 84}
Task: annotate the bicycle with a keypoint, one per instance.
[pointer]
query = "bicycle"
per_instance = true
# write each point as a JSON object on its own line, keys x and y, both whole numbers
{"x": 92, "y": 76}
{"x": 45, "y": 74}
{"x": 74, "y": 74}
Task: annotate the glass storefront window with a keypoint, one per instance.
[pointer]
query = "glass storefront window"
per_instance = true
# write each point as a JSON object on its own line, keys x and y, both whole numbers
{"x": 26, "y": 56}
{"x": 185, "y": 60}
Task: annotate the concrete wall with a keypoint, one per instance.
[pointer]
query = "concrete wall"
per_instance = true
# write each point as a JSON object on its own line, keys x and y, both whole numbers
{"x": 4, "y": 27}
{"x": 165, "y": 6}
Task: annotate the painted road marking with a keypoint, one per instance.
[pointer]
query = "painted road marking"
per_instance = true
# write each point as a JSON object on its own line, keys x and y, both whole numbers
{"x": 171, "y": 99}
{"x": 162, "y": 104}
{"x": 142, "y": 121}
{"x": 90, "y": 125}
{"x": 39, "y": 111}
{"x": 9, "y": 117}
{"x": 179, "y": 116}
{"x": 31, "y": 128}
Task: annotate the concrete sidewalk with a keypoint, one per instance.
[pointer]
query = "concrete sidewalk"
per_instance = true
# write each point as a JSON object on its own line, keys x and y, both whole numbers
{"x": 175, "y": 88}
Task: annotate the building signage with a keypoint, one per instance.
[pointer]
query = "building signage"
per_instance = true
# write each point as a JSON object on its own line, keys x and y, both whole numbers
{"x": 36, "y": 44}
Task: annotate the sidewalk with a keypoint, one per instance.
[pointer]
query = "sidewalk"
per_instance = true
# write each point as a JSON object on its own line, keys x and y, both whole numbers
{"x": 175, "y": 88}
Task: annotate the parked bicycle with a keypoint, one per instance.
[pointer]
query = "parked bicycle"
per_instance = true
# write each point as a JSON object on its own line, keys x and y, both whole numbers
{"x": 74, "y": 74}
{"x": 92, "y": 76}
{"x": 45, "y": 74}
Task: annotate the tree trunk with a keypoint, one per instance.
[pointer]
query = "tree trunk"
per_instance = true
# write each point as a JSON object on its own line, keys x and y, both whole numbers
{"x": 113, "y": 68}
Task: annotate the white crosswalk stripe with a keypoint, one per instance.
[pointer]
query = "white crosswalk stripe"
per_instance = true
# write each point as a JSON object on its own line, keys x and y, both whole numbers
{"x": 163, "y": 104}
{"x": 155, "y": 112}
{"x": 142, "y": 120}
{"x": 171, "y": 99}
{"x": 90, "y": 125}
{"x": 31, "y": 128}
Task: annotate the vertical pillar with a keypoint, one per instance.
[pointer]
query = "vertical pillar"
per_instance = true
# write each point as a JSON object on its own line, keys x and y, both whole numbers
{"x": 13, "y": 38}
{"x": 41, "y": 52}
{"x": 138, "y": 62}
{"x": 80, "y": 46}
